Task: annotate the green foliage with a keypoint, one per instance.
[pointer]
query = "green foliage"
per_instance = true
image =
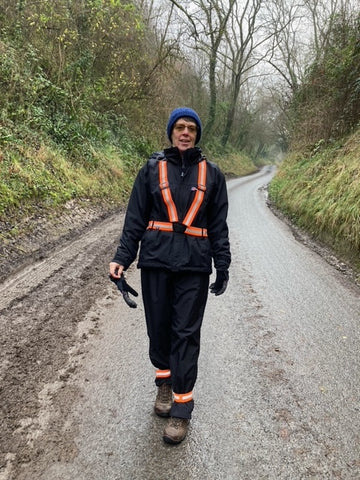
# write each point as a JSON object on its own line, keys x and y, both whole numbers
{"x": 63, "y": 63}
{"x": 45, "y": 177}
{"x": 231, "y": 162}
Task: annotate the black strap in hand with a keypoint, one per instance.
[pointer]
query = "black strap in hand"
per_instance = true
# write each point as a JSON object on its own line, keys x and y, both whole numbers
{"x": 125, "y": 289}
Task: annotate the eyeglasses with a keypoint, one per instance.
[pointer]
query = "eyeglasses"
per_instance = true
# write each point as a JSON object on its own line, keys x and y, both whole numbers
{"x": 180, "y": 127}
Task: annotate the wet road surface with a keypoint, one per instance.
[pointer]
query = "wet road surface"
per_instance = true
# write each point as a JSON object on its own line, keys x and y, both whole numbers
{"x": 277, "y": 395}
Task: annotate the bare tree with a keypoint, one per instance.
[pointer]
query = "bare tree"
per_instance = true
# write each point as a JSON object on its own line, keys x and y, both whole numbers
{"x": 321, "y": 17}
{"x": 246, "y": 47}
{"x": 208, "y": 21}
{"x": 288, "y": 49}
{"x": 303, "y": 30}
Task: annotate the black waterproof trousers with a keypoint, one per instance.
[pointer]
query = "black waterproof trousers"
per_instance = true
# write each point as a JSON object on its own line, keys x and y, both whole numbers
{"x": 174, "y": 305}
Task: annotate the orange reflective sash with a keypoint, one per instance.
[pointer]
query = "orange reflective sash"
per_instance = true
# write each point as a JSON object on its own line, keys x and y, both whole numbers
{"x": 199, "y": 196}
{"x": 168, "y": 227}
{"x": 166, "y": 192}
{"x": 171, "y": 207}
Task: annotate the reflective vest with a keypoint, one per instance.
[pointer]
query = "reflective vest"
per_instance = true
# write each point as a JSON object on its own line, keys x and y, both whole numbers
{"x": 186, "y": 225}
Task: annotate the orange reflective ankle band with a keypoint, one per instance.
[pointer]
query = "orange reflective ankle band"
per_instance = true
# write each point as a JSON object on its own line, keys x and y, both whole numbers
{"x": 183, "y": 397}
{"x": 163, "y": 373}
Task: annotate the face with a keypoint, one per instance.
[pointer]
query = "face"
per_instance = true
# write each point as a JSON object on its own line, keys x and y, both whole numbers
{"x": 184, "y": 134}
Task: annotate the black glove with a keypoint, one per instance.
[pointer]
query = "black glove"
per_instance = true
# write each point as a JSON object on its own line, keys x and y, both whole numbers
{"x": 125, "y": 289}
{"x": 220, "y": 284}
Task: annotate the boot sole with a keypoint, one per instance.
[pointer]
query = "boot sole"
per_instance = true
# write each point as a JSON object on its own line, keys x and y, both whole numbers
{"x": 162, "y": 414}
{"x": 171, "y": 441}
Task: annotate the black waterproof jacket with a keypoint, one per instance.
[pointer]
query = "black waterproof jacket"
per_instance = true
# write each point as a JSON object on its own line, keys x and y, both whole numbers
{"x": 172, "y": 250}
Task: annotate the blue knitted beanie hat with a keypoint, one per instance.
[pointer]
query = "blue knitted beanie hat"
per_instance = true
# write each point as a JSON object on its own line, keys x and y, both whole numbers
{"x": 181, "y": 113}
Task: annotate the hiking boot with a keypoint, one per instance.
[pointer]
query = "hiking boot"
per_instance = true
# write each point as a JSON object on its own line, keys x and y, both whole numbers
{"x": 163, "y": 400}
{"x": 175, "y": 430}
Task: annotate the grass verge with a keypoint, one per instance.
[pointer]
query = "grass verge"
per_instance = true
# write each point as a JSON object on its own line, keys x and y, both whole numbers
{"x": 320, "y": 192}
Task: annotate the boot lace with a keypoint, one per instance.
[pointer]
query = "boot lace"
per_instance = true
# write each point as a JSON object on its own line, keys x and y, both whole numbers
{"x": 177, "y": 423}
{"x": 165, "y": 393}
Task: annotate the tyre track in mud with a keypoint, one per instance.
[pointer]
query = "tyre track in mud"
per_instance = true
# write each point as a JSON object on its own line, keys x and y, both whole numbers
{"x": 43, "y": 336}
{"x": 32, "y": 276}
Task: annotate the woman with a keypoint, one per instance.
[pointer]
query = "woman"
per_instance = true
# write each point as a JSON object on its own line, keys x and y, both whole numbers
{"x": 177, "y": 211}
